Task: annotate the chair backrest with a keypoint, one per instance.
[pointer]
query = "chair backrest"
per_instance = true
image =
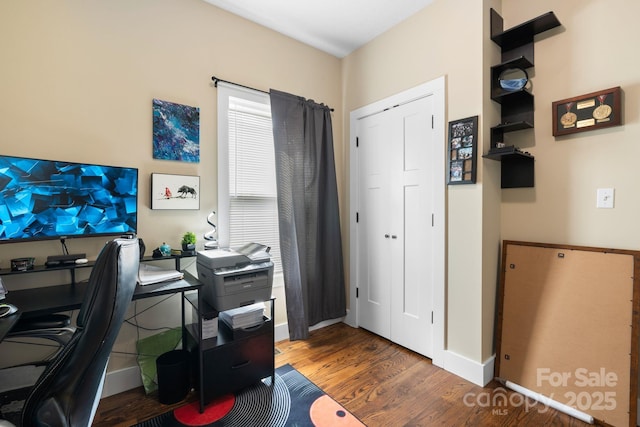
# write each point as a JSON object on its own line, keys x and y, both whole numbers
{"x": 68, "y": 391}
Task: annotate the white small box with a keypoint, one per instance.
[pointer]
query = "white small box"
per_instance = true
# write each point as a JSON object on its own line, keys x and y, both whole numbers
{"x": 209, "y": 326}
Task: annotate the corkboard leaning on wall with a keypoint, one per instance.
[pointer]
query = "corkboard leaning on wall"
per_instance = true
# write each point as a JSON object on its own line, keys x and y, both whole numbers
{"x": 568, "y": 326}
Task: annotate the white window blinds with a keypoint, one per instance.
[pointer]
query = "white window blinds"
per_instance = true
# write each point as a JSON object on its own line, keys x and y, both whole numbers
{"x": 250, "y": 199}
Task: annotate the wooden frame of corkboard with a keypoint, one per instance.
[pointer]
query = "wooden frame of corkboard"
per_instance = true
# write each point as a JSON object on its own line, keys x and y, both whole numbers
{"x": 568, "y": 326}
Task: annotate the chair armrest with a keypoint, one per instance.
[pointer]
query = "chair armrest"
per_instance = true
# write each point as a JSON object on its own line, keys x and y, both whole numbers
{"x": 47, "y": 321}
{"x": 54, "y": 327}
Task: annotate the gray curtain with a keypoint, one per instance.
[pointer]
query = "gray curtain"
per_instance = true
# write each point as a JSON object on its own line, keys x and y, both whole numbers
{"x": 310, "y": 241}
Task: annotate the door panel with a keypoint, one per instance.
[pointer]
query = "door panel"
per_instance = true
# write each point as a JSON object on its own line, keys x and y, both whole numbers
{"x": 395, "y": 203}
{"x": 412, "y": 295}
{"x": 373, "y": 247}
{"x": 413, "y": 271}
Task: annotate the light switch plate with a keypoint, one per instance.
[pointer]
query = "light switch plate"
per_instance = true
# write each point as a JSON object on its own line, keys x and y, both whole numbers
{"x": 605, "y": 198}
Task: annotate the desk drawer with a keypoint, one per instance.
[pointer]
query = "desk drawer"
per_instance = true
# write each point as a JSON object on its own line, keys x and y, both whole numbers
{"x": 236, "y": 365}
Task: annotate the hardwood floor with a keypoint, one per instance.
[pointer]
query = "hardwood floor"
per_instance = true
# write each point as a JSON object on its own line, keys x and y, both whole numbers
{"x": 381, "y": 383}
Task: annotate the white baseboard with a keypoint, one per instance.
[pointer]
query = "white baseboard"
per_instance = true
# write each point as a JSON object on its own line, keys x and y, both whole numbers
{"x": 350, "y": 318}
{"x": 121, "y": 380}
{"x": 478, "y": 373}
{"x": 326, "y": 323}
{"x": 281, "y": 331}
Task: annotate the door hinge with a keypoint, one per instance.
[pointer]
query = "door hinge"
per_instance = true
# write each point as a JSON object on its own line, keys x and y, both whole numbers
{"x": 357, "y": 142}
{"x": 357, "y": 217}
{"x": 433, "y": 220}
{"x": 433, "y": 126}
{"x": 358, "y": 294}
{"x": 432, "y": 317}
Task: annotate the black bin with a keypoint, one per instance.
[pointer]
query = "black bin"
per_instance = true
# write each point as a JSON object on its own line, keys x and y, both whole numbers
{"x": 173, "y": 376}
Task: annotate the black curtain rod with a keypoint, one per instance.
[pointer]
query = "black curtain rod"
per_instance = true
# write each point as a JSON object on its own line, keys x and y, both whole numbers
{"x": 216, "y": 80}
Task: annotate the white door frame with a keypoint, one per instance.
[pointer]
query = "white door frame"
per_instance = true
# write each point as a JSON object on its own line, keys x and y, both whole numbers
{"x": 434, "y": 88}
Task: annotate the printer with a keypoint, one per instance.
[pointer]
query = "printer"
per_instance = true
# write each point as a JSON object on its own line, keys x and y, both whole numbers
{"x": 234, "y": 277}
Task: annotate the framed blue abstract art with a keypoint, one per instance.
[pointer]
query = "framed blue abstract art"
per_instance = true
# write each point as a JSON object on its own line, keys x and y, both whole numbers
{"x": 176, "y": 132}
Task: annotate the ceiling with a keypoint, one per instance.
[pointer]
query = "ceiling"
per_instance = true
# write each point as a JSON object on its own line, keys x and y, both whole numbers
{"x": 337, "y": 27}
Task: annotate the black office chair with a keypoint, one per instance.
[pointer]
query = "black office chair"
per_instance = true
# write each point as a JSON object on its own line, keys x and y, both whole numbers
{"x": 68, "y": 391}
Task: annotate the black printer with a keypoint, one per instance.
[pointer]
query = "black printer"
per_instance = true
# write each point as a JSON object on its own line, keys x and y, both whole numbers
{"x": 234, "y": 277}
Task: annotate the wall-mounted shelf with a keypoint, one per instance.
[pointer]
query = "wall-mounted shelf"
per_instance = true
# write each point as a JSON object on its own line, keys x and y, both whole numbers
{"x": 516, "y": 106}
{"x": 521, "y": 34}
{"x": 516, "y": 167}
{"x": 500, "y": 153}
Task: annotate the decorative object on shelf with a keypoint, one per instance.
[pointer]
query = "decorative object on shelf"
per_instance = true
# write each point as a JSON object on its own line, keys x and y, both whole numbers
{"x": 188, "y": 243}
{"x": 165, "y": 249}
{"x": 210, "y": 236}
{"x": 587, "y": 112}
{"x": 22, "y": 264}
{"x": 513, "y": 79}
{"x": 175, "y": 191}
{"x": 463, "y": 135}
{"x": 176, "y": 132}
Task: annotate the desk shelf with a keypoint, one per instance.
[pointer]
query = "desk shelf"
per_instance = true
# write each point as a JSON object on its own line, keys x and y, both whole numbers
{"x": 176, "y": 258}
{"x": 73, "y": 267}
{"x": 44, "y": 268}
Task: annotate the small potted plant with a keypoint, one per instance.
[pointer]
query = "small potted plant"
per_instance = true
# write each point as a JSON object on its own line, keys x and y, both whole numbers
{"x": 189, "y": 242}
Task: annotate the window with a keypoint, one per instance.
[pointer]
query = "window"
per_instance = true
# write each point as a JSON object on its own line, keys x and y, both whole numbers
{"x": 247, "y": 204}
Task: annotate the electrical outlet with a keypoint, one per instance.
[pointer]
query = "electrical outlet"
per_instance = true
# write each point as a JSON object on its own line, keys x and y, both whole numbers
{"x": 605, "y": 198}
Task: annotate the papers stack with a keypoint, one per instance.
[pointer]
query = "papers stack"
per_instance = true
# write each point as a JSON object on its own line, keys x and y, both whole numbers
{"x": 244, "y": 317}
{"x": 209, "y": 324}
{"x": 150, "y": 274}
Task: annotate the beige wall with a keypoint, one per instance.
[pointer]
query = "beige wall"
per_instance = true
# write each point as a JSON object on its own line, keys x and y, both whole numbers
{"x": 593, "y": 50}
{"x": 77, "y": 81}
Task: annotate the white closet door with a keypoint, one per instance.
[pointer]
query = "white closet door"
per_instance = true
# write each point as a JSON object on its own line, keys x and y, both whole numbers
{"x": 374, "y": 223}
{"x": 412, "y": 251}
{"x": 395, "y": 204}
